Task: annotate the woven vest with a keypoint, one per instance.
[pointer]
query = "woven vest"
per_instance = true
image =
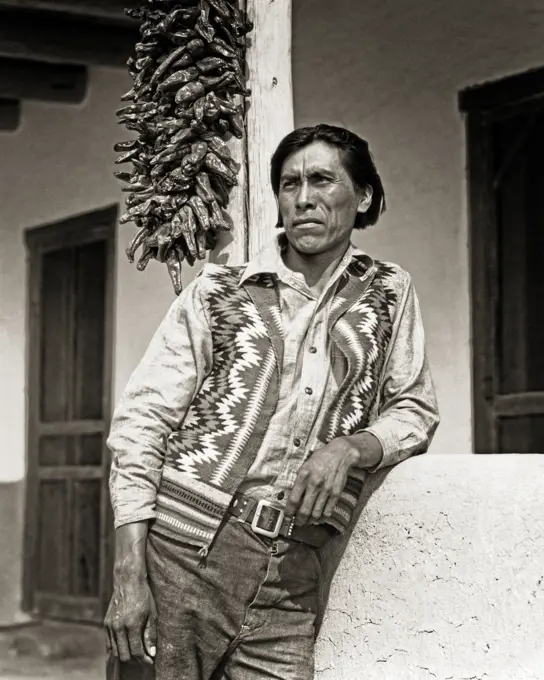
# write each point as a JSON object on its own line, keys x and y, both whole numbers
{"x": 211, "y": 452}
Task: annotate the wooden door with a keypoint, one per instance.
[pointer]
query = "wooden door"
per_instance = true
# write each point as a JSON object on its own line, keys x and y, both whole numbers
{"x": 68, "y": 525}
{"x": 505, "y": 125}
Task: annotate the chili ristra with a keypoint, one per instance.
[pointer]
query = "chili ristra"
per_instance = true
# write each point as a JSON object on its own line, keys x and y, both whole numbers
{"x": 188, "y": 75}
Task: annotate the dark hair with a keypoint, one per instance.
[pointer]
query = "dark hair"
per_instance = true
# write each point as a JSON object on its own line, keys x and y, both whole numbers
{"x": 358, "y": 162}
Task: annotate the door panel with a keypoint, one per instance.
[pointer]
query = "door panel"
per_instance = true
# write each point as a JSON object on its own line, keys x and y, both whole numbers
{"x": 53, "y": 536}
{"x": 55, "y": 334}
{"x": 89, "y": 334}
{"x": 85, "y": 549}
{"x": 522, "y": 434}
{"x": 68, "y": 557}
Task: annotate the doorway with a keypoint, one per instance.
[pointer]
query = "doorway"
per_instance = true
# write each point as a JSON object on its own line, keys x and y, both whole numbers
{"x": 68, "y": 522}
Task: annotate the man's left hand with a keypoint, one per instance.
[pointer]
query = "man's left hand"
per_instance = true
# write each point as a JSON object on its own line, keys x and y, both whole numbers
{"x": 323, "y": 476}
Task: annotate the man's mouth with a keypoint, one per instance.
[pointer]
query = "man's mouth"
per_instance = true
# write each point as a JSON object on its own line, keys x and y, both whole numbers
{"x": 306, "y": 220}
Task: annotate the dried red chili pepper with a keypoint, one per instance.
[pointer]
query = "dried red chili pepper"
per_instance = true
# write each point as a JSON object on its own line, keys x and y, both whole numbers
{"x": 147, "y": 255}
{"x": 173, "y": 265}
{"x": 182, "y": 36}
{"x": 195, "y": 47}
{"x": 187, "y": 227}
{"x": 123, "y": 176}
{"x": 130, "y": 144}
{"x": 188, "y": 93}
{"x": 236, "y": 123}
{"x": 200, "y": 211}
{"x": 213, "y": 163}
{"x": 217, "y": 219}
{"x": 184, "y": 135}
{"x": 128, "y": 156}
{"x": 164, "y": 236}
{"x": 209, "y": 64}
{"x": 128, "y": 96}
{"x": 222, "y": 8}
{"x": 179, "y": 78}
{"x": 204, "y": 187}
{"x": 220, "y": 47}
{"x": 165, "y": 65}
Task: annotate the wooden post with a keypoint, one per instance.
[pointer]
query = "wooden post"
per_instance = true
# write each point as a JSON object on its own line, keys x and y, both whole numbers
{"x": 269, "y": 118}
{"x": 270, "y": 115}
{"x": 232, "y": 247}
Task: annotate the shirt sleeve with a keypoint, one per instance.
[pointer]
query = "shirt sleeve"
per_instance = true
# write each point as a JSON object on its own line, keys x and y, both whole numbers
{"x": 408, "y": 411}
{"x": 155, "y": 402}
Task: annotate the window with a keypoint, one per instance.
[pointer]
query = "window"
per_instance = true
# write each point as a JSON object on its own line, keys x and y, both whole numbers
{"x": 505, "y": 137}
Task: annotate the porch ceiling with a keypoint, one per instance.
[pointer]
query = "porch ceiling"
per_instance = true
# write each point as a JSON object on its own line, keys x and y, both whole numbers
{"x": 47, "y": 45}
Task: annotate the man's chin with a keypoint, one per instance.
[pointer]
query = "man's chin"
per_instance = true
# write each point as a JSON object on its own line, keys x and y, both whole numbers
{"x": 306, "y": 247}
{"x": 308, "y": 244}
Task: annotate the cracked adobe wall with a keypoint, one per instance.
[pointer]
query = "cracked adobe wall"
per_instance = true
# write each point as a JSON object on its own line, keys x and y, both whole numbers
{"x": 444, "y": 575}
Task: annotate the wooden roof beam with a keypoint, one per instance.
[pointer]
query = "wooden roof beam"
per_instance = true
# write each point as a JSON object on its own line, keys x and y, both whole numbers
{"x": 10, "y": 115}
{"x": 97, "y": 8}
{"x": 35, "y": 80}
{"x": 61, "y": 38}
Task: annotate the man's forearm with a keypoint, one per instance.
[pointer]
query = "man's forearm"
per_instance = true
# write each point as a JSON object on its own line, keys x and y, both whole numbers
{"x": 130, "y": 548}
{"x": 366, "y": 448}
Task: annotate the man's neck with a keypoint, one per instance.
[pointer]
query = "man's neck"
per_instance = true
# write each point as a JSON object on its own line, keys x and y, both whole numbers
{"x": 316, "y": 269}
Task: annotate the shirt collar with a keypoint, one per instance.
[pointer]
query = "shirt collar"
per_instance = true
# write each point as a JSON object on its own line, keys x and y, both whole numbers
{"x": 269, "y": 260}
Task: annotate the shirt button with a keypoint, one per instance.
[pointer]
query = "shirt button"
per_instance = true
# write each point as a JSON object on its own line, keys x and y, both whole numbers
{"x": 308, "y": 390}
{"x": 296, "y": 441}
{"x": 281, "y": 496}
{"x": 312, "y": 350}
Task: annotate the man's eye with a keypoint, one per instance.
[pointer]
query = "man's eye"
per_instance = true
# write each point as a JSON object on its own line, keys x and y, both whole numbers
{"x": 287, "y": 184}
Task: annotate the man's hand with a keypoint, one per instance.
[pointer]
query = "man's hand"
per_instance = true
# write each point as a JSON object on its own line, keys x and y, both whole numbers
{"x": 323, "y": 476}
{"x": 131, "y": 619}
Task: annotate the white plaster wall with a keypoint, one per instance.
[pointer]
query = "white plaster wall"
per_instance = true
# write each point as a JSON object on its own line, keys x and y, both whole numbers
{"x": 443, "y": 577}
{"x": 59, "y": 164}
{"x": 391, "y": 70}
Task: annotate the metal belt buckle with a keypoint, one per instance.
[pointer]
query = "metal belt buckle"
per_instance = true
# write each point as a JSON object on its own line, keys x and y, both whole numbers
{"x": 255, "y": 521}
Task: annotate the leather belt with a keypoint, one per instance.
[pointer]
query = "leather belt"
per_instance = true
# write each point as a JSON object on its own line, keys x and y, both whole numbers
{"x": 266, "y": 519}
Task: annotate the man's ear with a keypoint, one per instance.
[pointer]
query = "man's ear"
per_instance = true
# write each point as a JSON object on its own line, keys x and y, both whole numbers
{"x": 365, "y": 200}
{"x": 279, "y": 223}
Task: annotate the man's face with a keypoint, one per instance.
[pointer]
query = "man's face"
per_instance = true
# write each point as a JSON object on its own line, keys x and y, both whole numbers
{"x": 317, "y": 199}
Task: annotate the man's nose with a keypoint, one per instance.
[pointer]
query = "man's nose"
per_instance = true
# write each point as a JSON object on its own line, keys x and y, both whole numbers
{"x": 305, "y": 199}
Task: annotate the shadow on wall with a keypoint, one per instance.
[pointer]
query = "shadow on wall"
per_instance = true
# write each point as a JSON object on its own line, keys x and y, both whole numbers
{"x": 331, "y": 557}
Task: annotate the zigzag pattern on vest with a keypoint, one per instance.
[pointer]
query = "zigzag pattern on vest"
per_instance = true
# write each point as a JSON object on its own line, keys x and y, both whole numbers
{"x": 364, "y": 331}
{"x": 224, "y": 413}
{"x": 210, "y": 454}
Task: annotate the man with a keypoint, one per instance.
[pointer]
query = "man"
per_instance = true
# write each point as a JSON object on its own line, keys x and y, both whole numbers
{"x": 244, "y": 436}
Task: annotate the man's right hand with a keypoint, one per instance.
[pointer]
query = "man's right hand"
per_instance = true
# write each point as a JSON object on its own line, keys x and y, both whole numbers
{"x": 131, "y": 619}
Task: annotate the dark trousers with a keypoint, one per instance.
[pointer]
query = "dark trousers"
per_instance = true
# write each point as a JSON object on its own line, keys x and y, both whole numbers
{"x": 245, "y": 612}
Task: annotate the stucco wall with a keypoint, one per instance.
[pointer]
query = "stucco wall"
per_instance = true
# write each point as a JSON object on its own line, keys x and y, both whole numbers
{"x": 56, "y": 165}
{"x": 391, "y": 71}
{"x": 443, "y": 577}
